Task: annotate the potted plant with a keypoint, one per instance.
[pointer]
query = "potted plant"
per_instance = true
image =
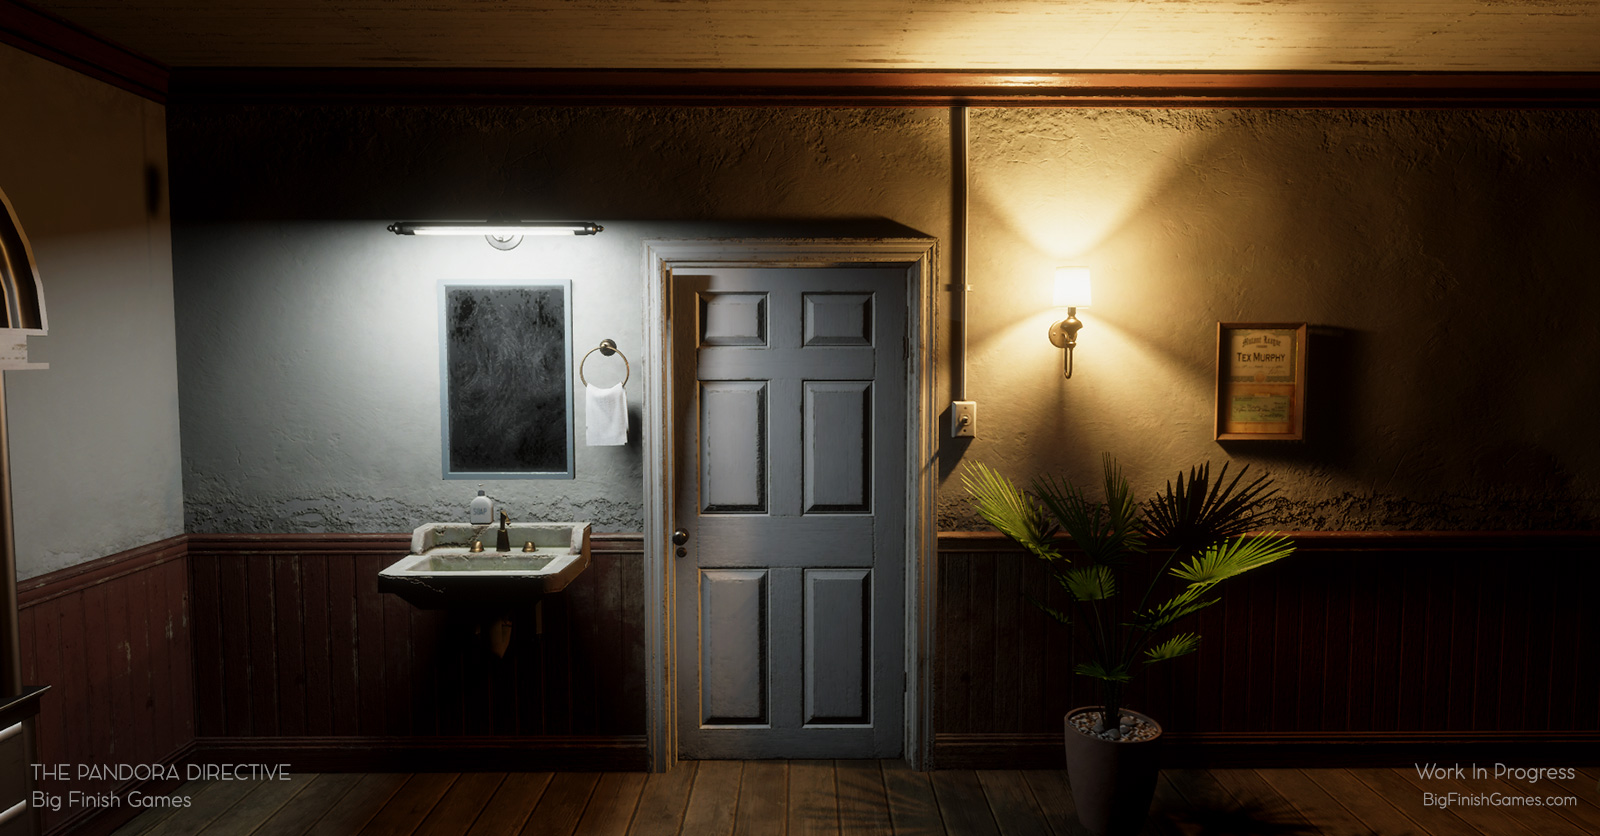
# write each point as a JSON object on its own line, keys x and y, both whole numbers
{"x": 1199, "y": 531}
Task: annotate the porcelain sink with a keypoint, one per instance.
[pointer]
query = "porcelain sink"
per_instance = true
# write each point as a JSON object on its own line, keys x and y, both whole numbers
{"x": 442, "y": 571}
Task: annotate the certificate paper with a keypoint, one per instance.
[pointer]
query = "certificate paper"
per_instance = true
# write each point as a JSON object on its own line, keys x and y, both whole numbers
{"x": 1259, "y": 381}
{"x": 1261, "y": 356}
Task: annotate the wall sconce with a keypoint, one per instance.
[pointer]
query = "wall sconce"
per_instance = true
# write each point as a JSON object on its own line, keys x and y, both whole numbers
{"x": 502, "y": 235}
{"x": 1072, "y": 293}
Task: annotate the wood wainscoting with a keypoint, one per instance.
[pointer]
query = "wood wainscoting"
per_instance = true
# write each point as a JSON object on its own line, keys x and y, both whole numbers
{"x": 1364, "y": 648}
{"x": 112, "y": 640}
{"x": 299, "y": 658}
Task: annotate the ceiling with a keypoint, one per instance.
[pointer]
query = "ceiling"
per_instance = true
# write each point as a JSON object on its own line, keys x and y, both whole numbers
{"x": 1173, "y": 35}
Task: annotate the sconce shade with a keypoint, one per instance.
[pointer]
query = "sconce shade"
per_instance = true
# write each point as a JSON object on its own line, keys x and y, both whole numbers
{"x": 1072, "y": 287}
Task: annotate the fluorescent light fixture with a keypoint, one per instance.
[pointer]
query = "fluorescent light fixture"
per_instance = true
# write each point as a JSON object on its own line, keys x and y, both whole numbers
{"x": 499, "y": 229}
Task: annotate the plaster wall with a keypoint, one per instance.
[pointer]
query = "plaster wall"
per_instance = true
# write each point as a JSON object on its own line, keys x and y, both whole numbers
{"x": 309, "y": 334}
{"x": 1440, "y": 257}
{"x": 1443, "y": 259}
{"x": 94, "y": 438}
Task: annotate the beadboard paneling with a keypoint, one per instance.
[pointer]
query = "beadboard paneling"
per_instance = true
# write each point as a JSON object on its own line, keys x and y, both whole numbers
{"x": 1371, "y": 639}
{"x": 112, "y": 639}
{"x": 297, "y": 642}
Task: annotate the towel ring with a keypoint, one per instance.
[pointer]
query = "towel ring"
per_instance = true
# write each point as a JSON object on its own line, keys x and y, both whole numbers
{"x": 606, "y": 349}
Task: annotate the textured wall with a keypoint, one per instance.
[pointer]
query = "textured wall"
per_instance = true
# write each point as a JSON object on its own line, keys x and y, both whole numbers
{"x": 1443, "y": 259}
{"x": 309, "y": 334}
{"x": 1438, "y": 255}
{"x": 94, "y": 439}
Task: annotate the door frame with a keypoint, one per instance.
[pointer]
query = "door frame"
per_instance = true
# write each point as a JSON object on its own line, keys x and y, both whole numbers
{"x": 919, "y": 257}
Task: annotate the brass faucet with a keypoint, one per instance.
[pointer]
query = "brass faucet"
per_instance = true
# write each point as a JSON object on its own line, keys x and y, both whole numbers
{"x": 502, "y": 538}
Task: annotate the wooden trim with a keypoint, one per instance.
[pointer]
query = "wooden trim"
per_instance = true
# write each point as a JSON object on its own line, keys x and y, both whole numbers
{"x": 37, "y": 590}
{"x": 1347, "y": 541}
{"x": 53, "y": 39}
{"x": 346, "y": 543}
{"x": 1274, "y": 749}
{"x": 885, "y": 88}
{"x": 501, "y": 753}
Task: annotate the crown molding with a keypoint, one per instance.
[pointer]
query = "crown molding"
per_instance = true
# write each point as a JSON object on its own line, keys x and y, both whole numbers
{"x": 53, "y": 39}
{"x": 880, "y": 88}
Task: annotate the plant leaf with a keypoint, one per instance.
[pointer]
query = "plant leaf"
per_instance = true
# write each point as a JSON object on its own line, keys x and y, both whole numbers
{"x": 1050, "y": 611}
{"x": 1089, "y": 583}
{"x": 1009, "y": 510}
{"x": 1105, "y": 532}
{"x": 1095, "y": 670}
{"x": 1196, "y": 510}
{"x": 1220, "y": 561}
{"x": 1180, "y": 645}
{"x": 1168, "y": 612}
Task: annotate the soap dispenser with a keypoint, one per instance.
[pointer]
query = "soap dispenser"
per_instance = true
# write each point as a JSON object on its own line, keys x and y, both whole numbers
{"x": 482, "y": 509}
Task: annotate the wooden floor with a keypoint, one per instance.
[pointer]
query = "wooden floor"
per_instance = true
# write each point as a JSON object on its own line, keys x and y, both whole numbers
{"x": 844, "y": 797}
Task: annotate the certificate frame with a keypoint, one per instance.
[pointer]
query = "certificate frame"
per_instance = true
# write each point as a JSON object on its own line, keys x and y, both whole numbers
{"x": 1261, "y": 381}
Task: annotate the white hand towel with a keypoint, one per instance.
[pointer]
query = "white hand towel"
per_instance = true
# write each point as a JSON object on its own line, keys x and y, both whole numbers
{"x": 606, "y": 416}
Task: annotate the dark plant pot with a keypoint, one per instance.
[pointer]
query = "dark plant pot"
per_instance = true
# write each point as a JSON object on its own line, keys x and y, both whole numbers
{"x": 1112, "y": 783}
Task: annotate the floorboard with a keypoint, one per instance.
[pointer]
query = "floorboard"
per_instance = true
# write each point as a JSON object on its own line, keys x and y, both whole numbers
{"x": 1258, "y": 801}
{"x": 461, "y": 804}
{"x": 310, "y": 804}
{"x": 359, "y": 805}
{"x": 912, "y": 806}
{"x": 1011, "y": 802}
{"x": 410, "y": 805}
{"x": 610, "y": 809}
{"x": 205, "y": 807}
{"x": 513, "y": 802}
{"x": 561, "y": 805}
{"x": 265, "y": 800}
{"x": 962, "y": 804}
{"x": 1312, "y": 802}
{"x": 870, "y": 798}
{"x": 664, "y": 802}
{"x": 1371, "y": 809}
{"x": 763, "y": 799}
{"x": 863, "y": 805}
{"x": 813, "y": 799}
{"x": 714, "y": 799}
{"x": 1054, "y": 797}
{"x": 1408, "y": 799}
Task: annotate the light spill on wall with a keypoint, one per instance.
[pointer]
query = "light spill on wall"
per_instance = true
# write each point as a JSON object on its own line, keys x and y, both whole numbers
{"x": 1395, "y": 233}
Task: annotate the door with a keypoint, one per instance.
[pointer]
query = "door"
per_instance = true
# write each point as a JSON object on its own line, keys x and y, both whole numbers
{"x": 790, "y": 501}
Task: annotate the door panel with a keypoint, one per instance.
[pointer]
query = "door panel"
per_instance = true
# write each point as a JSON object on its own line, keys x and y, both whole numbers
{"x": 838, "y": 447}
{"x": 790, "y": 390}
{"x": 838, "y": 605}
{"x": 734, "y": 656}
{"x": 733, "y": 447}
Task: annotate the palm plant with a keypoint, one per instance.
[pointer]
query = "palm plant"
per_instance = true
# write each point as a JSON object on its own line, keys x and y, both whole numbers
{"x": 1201, "y": 524}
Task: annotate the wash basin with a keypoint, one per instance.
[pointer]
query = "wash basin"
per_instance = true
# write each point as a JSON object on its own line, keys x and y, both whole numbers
{"x": 443, "y": 572}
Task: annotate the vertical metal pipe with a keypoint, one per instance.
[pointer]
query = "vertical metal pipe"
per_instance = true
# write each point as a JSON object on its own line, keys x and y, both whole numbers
{"x": 10, "y": 644}
{"x": 961, "y": 179}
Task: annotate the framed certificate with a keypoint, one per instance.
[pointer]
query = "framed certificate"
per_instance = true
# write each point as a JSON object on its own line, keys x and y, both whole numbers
{"x": 1261, "y": 381}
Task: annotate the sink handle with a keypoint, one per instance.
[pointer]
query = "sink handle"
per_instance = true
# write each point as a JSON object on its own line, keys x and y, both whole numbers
{"x": 680, "y": 537}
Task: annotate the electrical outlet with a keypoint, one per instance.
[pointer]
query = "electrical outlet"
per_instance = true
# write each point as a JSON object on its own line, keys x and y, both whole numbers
{"x": 963, "y": 419}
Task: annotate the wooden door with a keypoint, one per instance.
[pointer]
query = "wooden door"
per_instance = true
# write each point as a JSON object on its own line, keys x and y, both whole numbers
{"x": 791, "y": 463}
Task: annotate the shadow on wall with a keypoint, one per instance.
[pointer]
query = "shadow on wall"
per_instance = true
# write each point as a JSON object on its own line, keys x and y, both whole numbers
{"x": 1394, "y": 233}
